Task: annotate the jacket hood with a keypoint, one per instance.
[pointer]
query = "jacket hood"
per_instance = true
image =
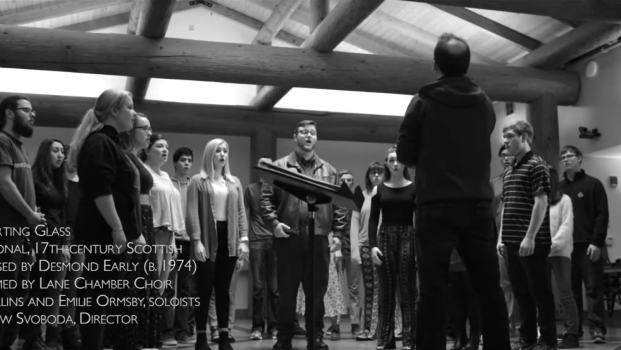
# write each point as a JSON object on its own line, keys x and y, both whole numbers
{"x": 455, "y": 92}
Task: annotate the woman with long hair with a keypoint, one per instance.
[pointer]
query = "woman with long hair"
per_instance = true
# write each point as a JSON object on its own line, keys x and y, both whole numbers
{"x": 165, "y": 201}
{"x": 394, "y": 251}
{"x": 107, "y": 216}
{"x": 217, "y": 224}
{"x": 146, "y": 332}
{"x": 559, "y": 260}
{"x": 50, "y": 189}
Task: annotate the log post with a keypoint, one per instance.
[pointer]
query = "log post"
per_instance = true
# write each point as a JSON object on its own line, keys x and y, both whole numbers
{"x": 542, "y": 114}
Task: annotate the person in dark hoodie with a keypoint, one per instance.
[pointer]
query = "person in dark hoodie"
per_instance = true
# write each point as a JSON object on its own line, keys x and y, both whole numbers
{"x": 453, "y": 194}
{"x": 590, "y": 204}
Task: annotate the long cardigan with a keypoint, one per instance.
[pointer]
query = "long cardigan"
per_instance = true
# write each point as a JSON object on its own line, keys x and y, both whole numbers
{"x": 200, "y": 216}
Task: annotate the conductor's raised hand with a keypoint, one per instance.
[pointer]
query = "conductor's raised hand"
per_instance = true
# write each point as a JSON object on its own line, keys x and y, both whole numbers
{"x": 279, "y": 231}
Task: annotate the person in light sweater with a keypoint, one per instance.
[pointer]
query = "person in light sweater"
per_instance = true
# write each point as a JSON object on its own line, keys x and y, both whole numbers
{"x": 559, "y": 260}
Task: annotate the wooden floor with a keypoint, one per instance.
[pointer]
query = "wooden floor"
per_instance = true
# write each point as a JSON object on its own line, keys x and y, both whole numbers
{"x": 241, "y": 333}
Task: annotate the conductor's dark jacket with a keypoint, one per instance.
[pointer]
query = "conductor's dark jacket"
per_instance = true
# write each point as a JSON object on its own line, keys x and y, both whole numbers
{"x": 446, "y": 135}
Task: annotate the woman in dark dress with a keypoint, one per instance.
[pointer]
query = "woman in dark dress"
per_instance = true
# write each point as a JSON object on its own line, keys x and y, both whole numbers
{"x": 50, "y": 189}
{"x": 146, "y": 333}
{"x": 393, "y": 251}
{"x": 107, "y": 217}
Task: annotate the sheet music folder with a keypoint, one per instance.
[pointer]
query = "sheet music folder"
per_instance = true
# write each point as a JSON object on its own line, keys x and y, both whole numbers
{"x": 301, "y": 186}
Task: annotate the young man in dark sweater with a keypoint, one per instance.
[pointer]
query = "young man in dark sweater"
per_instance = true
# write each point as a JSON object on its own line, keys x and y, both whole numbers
{"x": 590, "y": 205}
{"x": 525, "y": 238}
{"x": 453, "y": 194}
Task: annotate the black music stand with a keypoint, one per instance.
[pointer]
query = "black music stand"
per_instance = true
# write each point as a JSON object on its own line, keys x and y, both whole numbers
{"x": 314, "y": 192}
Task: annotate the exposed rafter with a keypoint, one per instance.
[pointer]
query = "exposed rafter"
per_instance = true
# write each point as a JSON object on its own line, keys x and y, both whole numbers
{"x": 55, "y": 10}
{"x": 319, "y": 10}
{"x": 191, "y": 118}
{"x": 134, "y": 17}
{"x": 153, "y": 24}
{"x": 341, "y": 21}
{"x": 585, "y": 10}
{"x": 127, "y": 55}
{"x": 282, "y": 12}
{"x": 492, "y": 26}
{"x": 579, "y": 41}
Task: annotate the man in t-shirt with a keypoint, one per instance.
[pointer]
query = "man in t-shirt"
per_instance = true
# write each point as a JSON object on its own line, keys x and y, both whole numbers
{"x": 590, "y": 204}
{"x": 497, "y": 205}
{"x": 17, "y": 207}
{"x": 524, "y": 238}
{"x": 178, "y": 324}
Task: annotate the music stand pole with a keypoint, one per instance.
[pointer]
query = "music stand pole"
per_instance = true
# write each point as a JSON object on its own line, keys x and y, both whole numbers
{"x": 310, "y": 328}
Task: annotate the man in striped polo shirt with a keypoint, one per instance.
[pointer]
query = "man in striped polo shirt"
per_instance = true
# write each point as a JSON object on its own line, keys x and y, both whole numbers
{"x": 524, "y": 238}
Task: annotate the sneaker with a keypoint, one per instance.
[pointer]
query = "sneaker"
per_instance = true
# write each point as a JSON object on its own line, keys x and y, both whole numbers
{"x": 336, "y": 333}
{"x": 274, "y": 334}
{"x": 185, "y": 338}
{"x": 215, "y": 336}
{"x": 329, "y": 331}
{"x": 522, "y": 345}
{"x": 355, "y": 329}
{"x": 599, "y": 338}
{"x": 569, "y": 341}
{"x": 168, "y": 339}
{"x": 231, "y": 339}
{"x": 256, "y": 335}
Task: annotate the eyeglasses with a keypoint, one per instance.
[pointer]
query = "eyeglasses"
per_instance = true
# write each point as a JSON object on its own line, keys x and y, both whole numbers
{"x": 568, "y": 156}
{"x": 306, "y": 132}
{"x": 377, "y": 172}
{"x": 145, "y": 128}
{"x": 26, "y": 110}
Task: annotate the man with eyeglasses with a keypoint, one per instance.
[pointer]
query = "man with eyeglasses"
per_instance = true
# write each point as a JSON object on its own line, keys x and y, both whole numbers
{"x": 288, "y": 218}
{"x": 590, "y": 205}
{"x": 18, "y": 214}
{"x": 497, "y": 184}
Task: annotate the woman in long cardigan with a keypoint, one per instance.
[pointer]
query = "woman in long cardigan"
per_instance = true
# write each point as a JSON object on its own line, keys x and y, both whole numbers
{"x": 216, "y": 222}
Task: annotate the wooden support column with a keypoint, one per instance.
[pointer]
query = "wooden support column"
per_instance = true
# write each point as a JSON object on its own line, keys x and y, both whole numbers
{"x": 341, "y": 21}
{"x": 262, "y": 144}
{"x": 318, "y": 11}
{"x": 152, "y": 24}
{"x": 543, "y": 116}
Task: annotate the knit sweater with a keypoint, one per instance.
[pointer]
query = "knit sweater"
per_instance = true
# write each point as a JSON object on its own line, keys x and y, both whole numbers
{"x": 562, "y": 228}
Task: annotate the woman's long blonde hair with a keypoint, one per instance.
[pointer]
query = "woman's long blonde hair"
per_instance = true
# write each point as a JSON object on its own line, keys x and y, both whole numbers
{"x": 207, "y": 169}
{"x": 109, "y": 101}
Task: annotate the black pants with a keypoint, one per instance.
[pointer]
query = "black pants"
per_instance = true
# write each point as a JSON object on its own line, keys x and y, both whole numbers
{"x": 398, "y": 269}
{"x": 293, "y": 267}
{"x": 264, "y": 283}
{"x": 464, "y": 305}
{"x": 469, "y": 227}
{"x": 10, "y": 329}
{"x": 181, "y": 319}
{"x": 221, "y": 272}
{"x": 592, "y": 274}
{"x": 532, "y": 287}
{"x": 92, "y": 332}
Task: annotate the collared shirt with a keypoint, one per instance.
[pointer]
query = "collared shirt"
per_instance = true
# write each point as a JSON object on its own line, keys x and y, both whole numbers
{"x": 525, "y": 180}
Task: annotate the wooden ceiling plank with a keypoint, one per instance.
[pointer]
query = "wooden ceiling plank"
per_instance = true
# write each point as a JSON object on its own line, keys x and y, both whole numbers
{"x": 585, "y": 10}
{"x": 492, "y": 26}
{"x": 63, "y": 9}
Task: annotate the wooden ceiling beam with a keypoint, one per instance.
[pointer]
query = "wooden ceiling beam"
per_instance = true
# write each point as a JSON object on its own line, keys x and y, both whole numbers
{"x": 191, "y": 118}
{"x": 339, "y": 23}
{"x": 281, "y": 14}
{"x": 585, "y": 10}
{"x": 319, "y": 10}
{"x": 492, "y": 26}
{"x": 127, "y": 55}
{"x": 55, "y": 10}
{"x": 576, "y": 43}
{"x": 153, "y": 23}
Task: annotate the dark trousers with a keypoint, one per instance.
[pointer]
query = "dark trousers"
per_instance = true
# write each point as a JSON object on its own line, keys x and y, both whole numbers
{"x": 209, "y": 272}
{"x": 464, "y": 306}
{"x": 264, "y": 283}
{"x": 10, "y": 329}
{"x": 469, "y": 227}
{"x": 369, "y": 276}
{"x": 293, "y": 267}
{"x": 398, "y": 270}
{"x": 592, "y": 274}
{"x": 181, "y": 319}
{"x": 532, "y": 287}
{"x": 92, "y": 332}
